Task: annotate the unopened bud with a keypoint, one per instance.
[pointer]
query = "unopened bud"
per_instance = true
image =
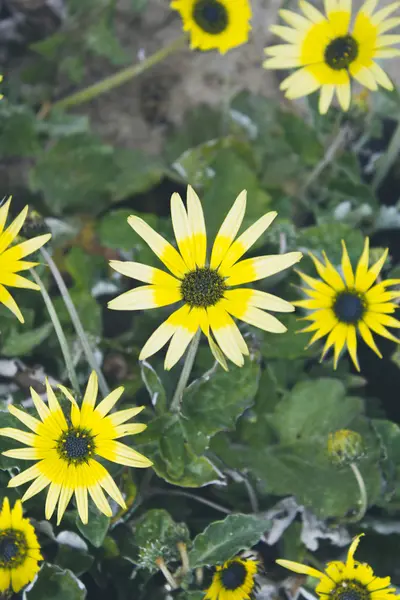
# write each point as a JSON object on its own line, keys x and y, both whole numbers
{"x": 345, "y": 447}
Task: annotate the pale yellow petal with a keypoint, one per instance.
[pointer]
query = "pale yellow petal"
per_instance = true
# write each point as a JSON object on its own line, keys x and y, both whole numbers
{"x": 197, "y": 226}
{"x": 228, "y": 230}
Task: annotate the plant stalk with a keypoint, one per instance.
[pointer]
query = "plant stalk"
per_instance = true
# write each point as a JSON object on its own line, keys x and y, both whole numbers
{"x": 76, "y": 321}
{"x": 124, "y": 75}
{"x": 59, "y": 332}
{"x": 385, "y": 163}
{"x": 187, "y": 369}
{"x": 363, "y": 495}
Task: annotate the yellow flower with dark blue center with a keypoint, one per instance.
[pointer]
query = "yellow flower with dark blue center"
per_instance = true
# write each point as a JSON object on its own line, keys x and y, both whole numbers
{"x": 65, "y": 449}
{"x": 205, "y": 288}
{"x": 215, "y": 24}
{"x": 234, "y": 580}
{"x": 342, "y": 305}
{"x": 351, "y": 580}
{"x": 19, "y": 549}
{"x": 10, "y": 258}
{"x": 328, "y": 50}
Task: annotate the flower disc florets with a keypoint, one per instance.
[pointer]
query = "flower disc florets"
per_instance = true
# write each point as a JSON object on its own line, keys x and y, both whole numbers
{"x": 349, "y": 307}
{"x": 211, "y": 16}
{"x": 76, "y": 445}
{"x": 13, "y": 548}
{"x": 202, "y": 287}
{"x": 341, "y": 52}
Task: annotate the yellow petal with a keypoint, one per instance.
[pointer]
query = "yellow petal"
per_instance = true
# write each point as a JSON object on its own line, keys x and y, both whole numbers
{"x": 197, "y": 226}
{"x": 228, "y": 230}
{"x": 144, "y": 273}
{"x": 299, "y": 568}
{"x": 252, "y": 269}
{"x": 163, "y": 249}
{"x": 183, "y": 235}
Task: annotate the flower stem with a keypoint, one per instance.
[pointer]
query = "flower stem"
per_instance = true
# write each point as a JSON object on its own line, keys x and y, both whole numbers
{"x": 59, "y": 332}
{"x": 363, "y": 495}
{"x": 166, "y": 572}
{"x": 76, "y": 321}
{"x": 187, "y": 369}
{"x": 109, "y": 83}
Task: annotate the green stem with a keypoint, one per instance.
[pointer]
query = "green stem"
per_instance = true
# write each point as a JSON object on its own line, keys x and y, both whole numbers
{"x": 386, "y": 161}
{"x": 59, "y": 332}
{"x": 363, "y": 495}
{"x": 76, "y": 321}
{"x": 109, "y": 83}
{"x": 187, "y": 369}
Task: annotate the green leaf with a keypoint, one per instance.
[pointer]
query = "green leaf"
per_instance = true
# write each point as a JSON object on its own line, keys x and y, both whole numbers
{"x": 22, "y": 343}
{"x": 73, "y": 173}
{"x": 329, "y": 236}
{"x": 136, "y": 173}
{"x": 221, "y": 540}
{"x": 96, "y": 529}
{"x": 302, "y": 138}
{"x": 18, "y": 132}
{"x": 290, "y": 345}
{"x": 76, "y": 560}
{"x": 165, "y": 444}
{"x": 53, "y": 582}
{"x": 215, "y": 401}
{"x": 157, "y": 526}
{"x": 154, "y": 386}
{"x": 101, "y": 40}
{"x": 232, "y": 175}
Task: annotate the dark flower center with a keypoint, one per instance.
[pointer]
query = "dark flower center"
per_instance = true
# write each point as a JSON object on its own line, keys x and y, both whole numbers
{"x": 348, "y": 307}
{"x": 76, "y": 445}
{"x": 341, "y": 52}
{"x": 211, "y": 16}
{"x": 233, "y": 576}
{"x": 202, "y": 287}
{"x": 12, "y": 548}
{"x": 350, "y": 590}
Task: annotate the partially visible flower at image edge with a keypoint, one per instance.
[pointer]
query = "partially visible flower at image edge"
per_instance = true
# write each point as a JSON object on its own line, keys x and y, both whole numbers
{"x": 10, "y": 258}
{"x": 340, "y": 306}
{"x": 344, "y": 581}
{"x": 327, "y": 51}
{"x": 234, "y": 580}
{"x": 19, "y": 548}
{"x": 1, "y": 79}
{"x": 215, "y": 24}
{"x": 208, "y": 301}
{"x": 65, "y": 449}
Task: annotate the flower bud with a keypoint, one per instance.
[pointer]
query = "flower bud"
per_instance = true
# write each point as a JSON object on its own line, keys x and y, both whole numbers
{"x": 345, "y": 447}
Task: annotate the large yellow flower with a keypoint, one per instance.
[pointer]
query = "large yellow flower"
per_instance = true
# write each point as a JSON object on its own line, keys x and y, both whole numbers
{"x": 234, "y": 580}
{"x": 66, "y": 449}
{"x": 342, "y": 305}
{"x": 329, "y": 51}
{"x": 10, "y": 258}
{"x": 204, "y": 289}
{"x": 215, "y": 24}
{"x": 351, "y": 580}
{"x": 19, "y": 549}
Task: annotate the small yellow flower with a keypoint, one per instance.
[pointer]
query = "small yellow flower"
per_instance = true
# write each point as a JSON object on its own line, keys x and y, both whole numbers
{"x": 204, "y": 288}
{"x": 234, "y": 580}
{"x": 10, "y": 258}
{"x": 66, "y": 449}
{"x": 342, "y": 305}
{"x": 351, "y": 580}
{"x": 329, "y": 51}
{"x": 215, "y": 24}
{"x": 19, "y": 549}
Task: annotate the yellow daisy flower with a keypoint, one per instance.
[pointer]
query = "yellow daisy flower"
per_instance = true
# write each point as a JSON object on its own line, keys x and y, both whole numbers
{"x": 215, "y": 24}
{"x": 351, "y": 580}
{"x": 66, "y": 449}
{"x": 10, "y": 258}
{"x": 329, "y": 51}
{"x": 234, "y": 580}
{"x": 342, "y": 305}
{"x": 204, "y": 288}
{"x": 19, "y": 549}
